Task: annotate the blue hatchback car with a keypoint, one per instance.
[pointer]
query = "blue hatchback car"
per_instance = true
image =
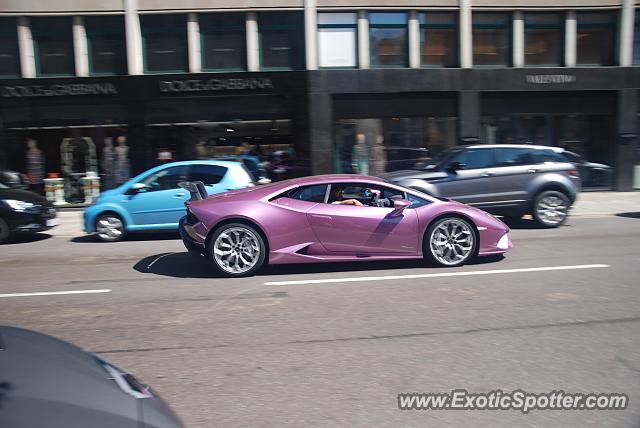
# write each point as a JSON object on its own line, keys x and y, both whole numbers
{"x": 154, "y": 201}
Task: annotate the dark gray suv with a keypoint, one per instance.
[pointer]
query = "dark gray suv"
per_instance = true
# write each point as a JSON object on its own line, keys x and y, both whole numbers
{"x": 506, "y": 179}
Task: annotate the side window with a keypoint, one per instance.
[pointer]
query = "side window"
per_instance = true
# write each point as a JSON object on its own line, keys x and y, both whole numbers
{"x": 474, "y": 158}
{"x": 514, "y": 157}
{"x": 416, "y": 202}
{"x": 166, "y": 179}
{"x": 309, "y": 193}
{"x": 546, "y": 156}
{"x": 208, "y": 174}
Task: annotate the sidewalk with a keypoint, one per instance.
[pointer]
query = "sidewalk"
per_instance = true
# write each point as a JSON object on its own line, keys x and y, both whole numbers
{"x": 588, "y": 204}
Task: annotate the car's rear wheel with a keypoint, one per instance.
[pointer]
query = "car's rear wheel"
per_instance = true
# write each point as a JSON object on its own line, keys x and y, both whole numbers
{"x": 551, "y": 208}
{"x": 110, "y": 227}
{"x": 4, "y": 231}
{"x": 450, "y": 241}
{"x": 237, "y": 249}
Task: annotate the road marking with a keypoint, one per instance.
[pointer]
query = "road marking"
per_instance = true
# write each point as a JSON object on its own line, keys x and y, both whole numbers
{"x": 55, "y": 293}
{"x": 436, "y": 275}
{"x": 159, "y": 257}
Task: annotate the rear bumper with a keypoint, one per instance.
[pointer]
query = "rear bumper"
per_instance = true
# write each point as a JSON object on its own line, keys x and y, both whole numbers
{"x": 192, "y": 241}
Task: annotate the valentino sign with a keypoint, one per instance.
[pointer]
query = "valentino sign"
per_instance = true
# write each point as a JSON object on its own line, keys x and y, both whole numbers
{"x": 19, "y": 91}
{"x": 197, "y": 85}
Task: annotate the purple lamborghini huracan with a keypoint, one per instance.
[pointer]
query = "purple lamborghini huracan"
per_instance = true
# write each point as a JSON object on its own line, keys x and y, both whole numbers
{"x": 332, "y": 218}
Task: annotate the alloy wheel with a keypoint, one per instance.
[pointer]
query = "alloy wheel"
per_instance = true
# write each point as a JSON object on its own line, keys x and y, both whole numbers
{"x": 551, "y": 210}
{"x": 452, "y": 242}
{"x": 237, "y": 250}
{"x": 110, "y": 228}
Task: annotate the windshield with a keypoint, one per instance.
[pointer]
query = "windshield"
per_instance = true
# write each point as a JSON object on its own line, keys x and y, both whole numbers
{"x": 441, "y": 158}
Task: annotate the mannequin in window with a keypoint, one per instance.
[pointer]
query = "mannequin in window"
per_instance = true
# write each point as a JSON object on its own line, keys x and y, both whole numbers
{"x": 122, "y": 168}
{"x": 35, "y": 165}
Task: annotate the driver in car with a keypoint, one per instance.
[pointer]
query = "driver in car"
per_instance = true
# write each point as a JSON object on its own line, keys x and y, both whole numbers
{"x": 337, "y": 198}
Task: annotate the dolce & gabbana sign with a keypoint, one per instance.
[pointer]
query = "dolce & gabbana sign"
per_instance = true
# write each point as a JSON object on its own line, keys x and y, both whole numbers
{"x": 21, "y": 91}
{"x": 198, "y": 85}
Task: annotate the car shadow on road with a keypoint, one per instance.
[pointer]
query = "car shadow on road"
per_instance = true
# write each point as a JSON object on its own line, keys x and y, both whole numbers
{"x": 184, "y": 265}
{"x": 25, "y": 238}
{"x": 629, "y": 215}
{"x": 138, "y": 236}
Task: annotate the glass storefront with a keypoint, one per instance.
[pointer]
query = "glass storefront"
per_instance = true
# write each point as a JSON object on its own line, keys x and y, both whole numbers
{"x": 281, "y": 40}
{"x": 337, "y": 40}
{"x": 388, "y": 43}
{"x": 438, "y": 39}
{"x": 53, "y": 46}
{"x": 491, "y": 39}
{"x": 164, "y": 41}
{"x": 9, "y": 57}
{"x": 380, "y": 145}
{"x": 543, "y": 39}
{"x": 106, "y": 45}
{"x": 636, "y": 40}
{"x": 223, "y": 42}
{"x": 596, "y": 38}
{"x": 589, "y": 136}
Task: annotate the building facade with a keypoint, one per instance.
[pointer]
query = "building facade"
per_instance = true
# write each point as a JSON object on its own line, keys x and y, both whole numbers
{"x": 334, "y": 85}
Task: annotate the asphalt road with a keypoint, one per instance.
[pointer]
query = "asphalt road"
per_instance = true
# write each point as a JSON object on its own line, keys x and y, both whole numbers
{"x": 264, "y": 351}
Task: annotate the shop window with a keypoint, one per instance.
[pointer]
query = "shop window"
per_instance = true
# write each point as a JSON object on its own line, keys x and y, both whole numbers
{"x": 388, "y": 39}
{"x": 53, "y": 46}
{"x": 544, "y": 39}
{"x": 337, "y": 40}
{"x": 438, "y": 39}
{"x": 377, "y": 146}
{"x": 224, "y": 41}
{"x": 9, "y": 56}
{"x": 281, "y": 40}
{"x": 596, "y": 38}
{"x": 491, "y": 39}
{"x": 164, "y": 39}
{"x": 106, "y": 45}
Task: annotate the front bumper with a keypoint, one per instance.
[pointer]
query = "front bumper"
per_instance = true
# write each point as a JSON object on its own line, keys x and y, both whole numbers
{"x": 38, "y": 220}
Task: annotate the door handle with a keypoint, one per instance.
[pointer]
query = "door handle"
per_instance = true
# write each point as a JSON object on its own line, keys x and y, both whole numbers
{"x": 532, "y": 170}
{"x": 178, "y": 195}
{"x": 486, "y": 174}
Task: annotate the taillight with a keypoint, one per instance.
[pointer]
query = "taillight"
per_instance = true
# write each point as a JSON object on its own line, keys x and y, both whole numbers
{"x": 574, "y": 173}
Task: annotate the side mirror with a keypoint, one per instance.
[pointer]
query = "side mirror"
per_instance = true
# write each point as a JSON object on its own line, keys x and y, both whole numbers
{"x": 455, "y": 166}
{"x": 399, "y": 205}
{"x": 137, "y": 188}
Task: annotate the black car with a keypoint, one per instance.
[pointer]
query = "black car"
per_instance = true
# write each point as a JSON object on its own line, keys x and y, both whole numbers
{"x": 45, "y": 382}
{"x": 23, "y": 211}
{"x": 592, "y": 174}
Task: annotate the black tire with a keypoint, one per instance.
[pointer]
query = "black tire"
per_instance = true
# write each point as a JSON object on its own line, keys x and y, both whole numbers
{"x": 108, "y": 233}
{"x": 4, "y": 231}
{"x": 247, "y": 243}
{"x": 551, "y": 208}
{"x": 468, "y": 232}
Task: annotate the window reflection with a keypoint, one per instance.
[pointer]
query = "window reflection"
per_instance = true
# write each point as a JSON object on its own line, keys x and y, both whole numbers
{"x": 105, "y": 39}
{"x": 377, "y": 146}
{"x": 53, "y": 46}
{"x": 595, "y": 38}
{"x": 388, "y": 39}
{"x": 223, "y": 41}
{"x": 544, "y": 39}
{"x": 165, "y": 43}
{"x": 281, "y": 40}
{"x": 491, "y": 39}
{"x": 9, "y": 57}
{"x": 438, "y": 39}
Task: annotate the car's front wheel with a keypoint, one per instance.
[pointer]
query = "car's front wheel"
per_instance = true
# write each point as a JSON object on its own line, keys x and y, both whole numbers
{"x": 236, "y": 250}
{"x": 110, "y": 227}
{"x": 450, "y": 241}
{"x": 551, "y": 208}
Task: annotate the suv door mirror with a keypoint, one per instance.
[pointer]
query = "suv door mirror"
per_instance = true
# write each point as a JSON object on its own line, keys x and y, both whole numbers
{"x": 455, "y": 166}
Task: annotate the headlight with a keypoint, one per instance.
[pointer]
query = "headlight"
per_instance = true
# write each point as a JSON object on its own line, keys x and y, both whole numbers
{"x": 19, "y": 206}
{"x": 127, "y": 382}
